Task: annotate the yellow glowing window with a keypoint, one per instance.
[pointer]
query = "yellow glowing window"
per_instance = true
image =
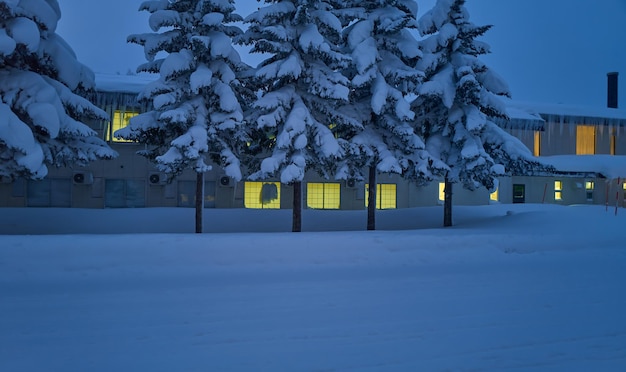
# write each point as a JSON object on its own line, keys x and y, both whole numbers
{"x": 442, "y": 189}
{"x": 494, "y": 196}
{"x": 589, "y": 186}
{"x": 558, "y": 190}
{"x": 385, "y": 196}
{"x": 537, "y": 144}
{"x": 120, "y": 120}
{"x": 262, "y": 195}
{"x": 613, "y": 141}
{"x": 624, "y": 185}
{"x": 585, "y": 140}
{"x": 323, "y": 195}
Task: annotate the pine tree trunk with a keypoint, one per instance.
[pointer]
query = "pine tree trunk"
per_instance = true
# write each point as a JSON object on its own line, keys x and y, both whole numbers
{"x": 371, "y": 199}
{"x": 297, "y": 207}
{"x": 199, "y": 201}
{"x": 447, "y": 203}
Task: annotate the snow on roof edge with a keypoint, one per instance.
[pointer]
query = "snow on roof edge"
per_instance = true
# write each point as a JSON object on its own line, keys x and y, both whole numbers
{"x": 527, "y": 115}
{"x": 114, "y": 83}
{"x": 610, "y": 166}
{"x": 564, "y": 113}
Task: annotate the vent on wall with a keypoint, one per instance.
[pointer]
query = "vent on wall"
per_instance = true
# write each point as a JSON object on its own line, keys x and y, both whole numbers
{"x": 82, "y": 178}
{"x": 225, "y": 181}
{"x": 156, "y": 178}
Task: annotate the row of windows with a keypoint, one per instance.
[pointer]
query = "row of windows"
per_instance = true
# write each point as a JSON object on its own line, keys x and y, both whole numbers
{"x": 585, "y": 141}
{"x": 266, "y": 195}
{"x": 589, "y": 187}
{"x": 129, "y": 193}
{"x": 442, "y": 187}
{"x": 585, "y": 135}
{"x": 124, "y": 193}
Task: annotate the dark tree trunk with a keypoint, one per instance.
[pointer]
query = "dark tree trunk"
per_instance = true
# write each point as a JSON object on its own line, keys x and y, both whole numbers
{"x": 199, "y": 201}
{"x": 297, "y": 207}
{"x": 371, "y": 199}
{"x": 447, "y": 203}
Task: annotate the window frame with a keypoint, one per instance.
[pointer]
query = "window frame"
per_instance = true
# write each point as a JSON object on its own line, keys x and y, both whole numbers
{"x": 383, "y": 202}
{"x": 558, "y": 190}
{"x": 330, "y": 195}
{"x": 586, "y": 139}
{"x": 118, "y": 119}
{"x": 253, "y": 189}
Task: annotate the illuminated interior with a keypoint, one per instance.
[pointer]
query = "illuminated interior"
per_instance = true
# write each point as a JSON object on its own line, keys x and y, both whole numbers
{"x": 262, "y": 195}
{"x": 537, "y": 144}
{"x": 585, "y": 140}
{"x": 558, "y": 190}
{"x": 613, "y": 141}
{"x": 589, "y": 186}
{"x": 442, "y": 189}
{"x": 494, "y": 196}
{"x": 323, "y": 195}
{"x": 121, "y": 119}
{"x": 385, "y": 196}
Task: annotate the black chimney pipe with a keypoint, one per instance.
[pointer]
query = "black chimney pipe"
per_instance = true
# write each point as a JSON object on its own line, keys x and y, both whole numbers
{"x": 611, "y": 91}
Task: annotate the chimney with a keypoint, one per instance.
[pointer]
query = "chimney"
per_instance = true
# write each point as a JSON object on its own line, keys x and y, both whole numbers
{"x": 611, "y": 92}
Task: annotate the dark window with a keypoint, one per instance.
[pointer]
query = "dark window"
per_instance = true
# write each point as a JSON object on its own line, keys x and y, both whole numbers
{"x": 124, "y": 193}
{"x": 519, "y": 193}
{"x": 187, "y": 194}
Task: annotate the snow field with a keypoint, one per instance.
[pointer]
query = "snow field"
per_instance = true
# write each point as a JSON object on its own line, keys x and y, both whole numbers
{"x": 510, "y": 287}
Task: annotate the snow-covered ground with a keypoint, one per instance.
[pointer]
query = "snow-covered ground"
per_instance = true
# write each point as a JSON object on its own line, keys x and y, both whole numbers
{"x": 510, "y": 287}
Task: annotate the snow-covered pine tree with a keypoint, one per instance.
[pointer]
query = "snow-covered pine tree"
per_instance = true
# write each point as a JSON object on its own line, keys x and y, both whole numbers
{"x": 300, "y": 87}
{"x": 459, "y": 102}
{"x": 384, "y": 55}
{"x": 42, "y": 108}
{"x": 197, "y": 115}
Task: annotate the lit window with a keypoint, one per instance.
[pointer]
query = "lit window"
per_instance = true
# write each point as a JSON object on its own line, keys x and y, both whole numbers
{"x": 323, "y": 195}
{"x": 537, "y": 144}
{"x": 385, "y": 196}
{"x": 442, "y": 189}
{"x": 558, "y": 190}
{"x": 613, "y": 141}
{"x": 585, "y": 140}
{"x": 494, "y": 196}
{"x": 589, "y": 186}
{"x": 120, "y": 120}
{"x": 262, "y": 195}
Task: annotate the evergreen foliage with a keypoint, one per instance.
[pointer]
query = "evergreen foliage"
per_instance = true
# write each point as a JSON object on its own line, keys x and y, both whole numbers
{"x": 382, "y": 74}
{"x": 459, "y": 102}
{"x": 42, "y": 88}
{"x": 300, "y": 87}
{"x": 196, "y": 116}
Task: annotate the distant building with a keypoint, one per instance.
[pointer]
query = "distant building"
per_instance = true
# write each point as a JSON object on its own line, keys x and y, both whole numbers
{"x": 587, "y": 145}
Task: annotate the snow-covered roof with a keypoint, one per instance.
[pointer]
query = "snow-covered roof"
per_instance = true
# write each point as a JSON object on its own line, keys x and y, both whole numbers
{"x": 522, "y": 119}
{"x": 609, "y": 166}
{"x": 123, "y": 83}
{"x": 574, "y": 114}
{"x": 526, "y": 115}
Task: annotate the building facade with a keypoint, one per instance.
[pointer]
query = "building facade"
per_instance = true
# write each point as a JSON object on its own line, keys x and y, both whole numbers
{"x": 553, "y": 132}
